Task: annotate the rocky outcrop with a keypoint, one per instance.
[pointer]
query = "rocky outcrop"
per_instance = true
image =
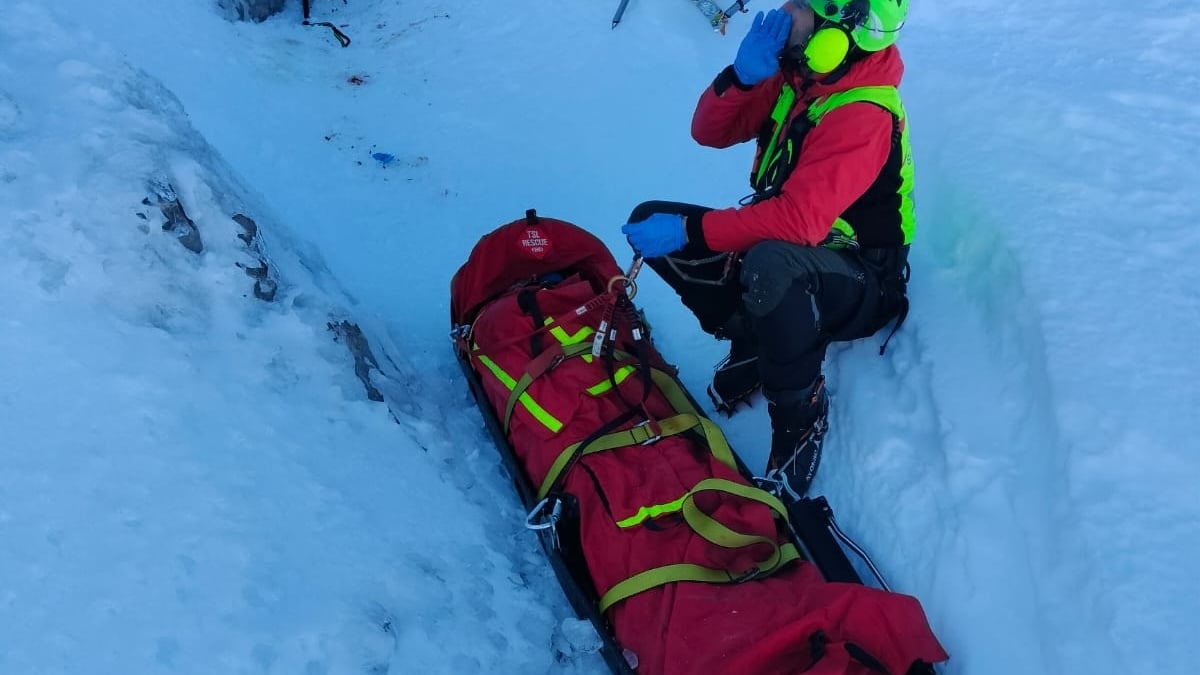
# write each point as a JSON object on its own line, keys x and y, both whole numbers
{"x": 251, "y": 10}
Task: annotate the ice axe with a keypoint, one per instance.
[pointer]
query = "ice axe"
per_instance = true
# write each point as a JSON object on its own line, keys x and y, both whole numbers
{"x": 620, "y": 13}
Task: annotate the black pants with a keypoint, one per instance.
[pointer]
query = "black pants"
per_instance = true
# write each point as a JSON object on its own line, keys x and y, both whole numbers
{"x": 794, "y": 299}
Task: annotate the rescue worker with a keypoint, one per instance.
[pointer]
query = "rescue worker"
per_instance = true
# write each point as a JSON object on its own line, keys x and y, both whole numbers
{"x": 818, "y": 253}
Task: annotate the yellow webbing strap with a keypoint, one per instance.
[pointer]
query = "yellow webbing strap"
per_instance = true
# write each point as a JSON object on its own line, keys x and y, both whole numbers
{"x": 688, "y": 418}
{"x": 647, "y": 512}
{"x": 679, "y": 400}
{"x": 643, "y": 433}
{"x": 714, "y": 532}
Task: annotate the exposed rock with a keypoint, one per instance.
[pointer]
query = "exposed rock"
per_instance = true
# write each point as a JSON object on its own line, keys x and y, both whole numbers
{"x": 264, "y": 286}
{"x": 177, "y": 221}
{"x": 364, "y": 360}
{"x": 249, "y": 228}
{"x": 251, "y": 10}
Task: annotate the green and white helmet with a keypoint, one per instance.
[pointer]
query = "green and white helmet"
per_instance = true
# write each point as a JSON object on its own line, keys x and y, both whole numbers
{"x": 873, "y": 24}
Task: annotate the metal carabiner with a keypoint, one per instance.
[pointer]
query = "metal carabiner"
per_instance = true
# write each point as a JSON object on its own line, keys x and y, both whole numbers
{"x": 460, "y": 331}
{"x": 629, "y": 277}
{"x": 539, "y": 511}
{"x": 635, "y": 267}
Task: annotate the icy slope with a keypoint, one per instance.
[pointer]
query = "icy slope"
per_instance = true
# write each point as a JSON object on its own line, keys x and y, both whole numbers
{"x": 193, "y": 480}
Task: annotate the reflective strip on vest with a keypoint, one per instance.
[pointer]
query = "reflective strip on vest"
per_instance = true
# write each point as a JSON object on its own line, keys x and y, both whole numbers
{"x": 887, "y": 98}
{"x": 779, "y": 157}
{"x": 770, "y": 158}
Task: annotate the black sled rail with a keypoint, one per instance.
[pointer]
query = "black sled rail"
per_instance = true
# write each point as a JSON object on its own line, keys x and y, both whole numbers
{"x": 810, "y": 519}
{"x": 566, "y": 558}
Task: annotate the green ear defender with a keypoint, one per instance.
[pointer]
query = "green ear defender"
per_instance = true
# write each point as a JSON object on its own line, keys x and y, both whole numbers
{"x": 826, "y": 49}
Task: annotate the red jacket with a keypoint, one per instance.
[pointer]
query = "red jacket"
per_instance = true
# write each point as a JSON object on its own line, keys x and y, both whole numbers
{"x": 839, "y": 159}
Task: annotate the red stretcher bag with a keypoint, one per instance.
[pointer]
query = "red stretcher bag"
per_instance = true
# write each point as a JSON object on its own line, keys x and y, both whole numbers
{"x": 690, "y": 568}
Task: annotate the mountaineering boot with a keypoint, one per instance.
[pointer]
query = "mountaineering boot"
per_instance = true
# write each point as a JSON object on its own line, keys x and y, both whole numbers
{"x": 736, "y": 377}
{"x": 799, "y": 420}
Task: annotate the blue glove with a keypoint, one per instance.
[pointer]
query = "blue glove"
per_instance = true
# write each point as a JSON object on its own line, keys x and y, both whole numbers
{"x": 657, "y": 235}
{"x": 758, "y": 56}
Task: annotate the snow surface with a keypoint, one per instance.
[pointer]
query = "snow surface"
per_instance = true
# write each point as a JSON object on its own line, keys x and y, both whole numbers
{"x": 193, "y": 480}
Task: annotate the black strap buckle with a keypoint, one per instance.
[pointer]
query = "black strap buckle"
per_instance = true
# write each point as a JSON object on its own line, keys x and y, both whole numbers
{"x": 749, "y": 575}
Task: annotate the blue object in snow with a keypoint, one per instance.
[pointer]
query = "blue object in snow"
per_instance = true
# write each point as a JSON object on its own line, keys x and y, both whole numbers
{"x": 383, "y": 158}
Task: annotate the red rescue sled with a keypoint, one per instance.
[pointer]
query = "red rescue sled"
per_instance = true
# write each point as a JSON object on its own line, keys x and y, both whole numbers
{"x": 646, "y": 514}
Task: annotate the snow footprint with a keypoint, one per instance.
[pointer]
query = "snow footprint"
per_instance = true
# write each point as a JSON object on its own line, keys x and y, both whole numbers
{"x": 10, "y": 121}
{"x": 10, "y": 116}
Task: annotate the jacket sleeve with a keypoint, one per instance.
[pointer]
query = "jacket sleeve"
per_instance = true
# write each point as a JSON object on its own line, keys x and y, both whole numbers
{"x": 840, "y": 159}
{"x": 730, "y": 112}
